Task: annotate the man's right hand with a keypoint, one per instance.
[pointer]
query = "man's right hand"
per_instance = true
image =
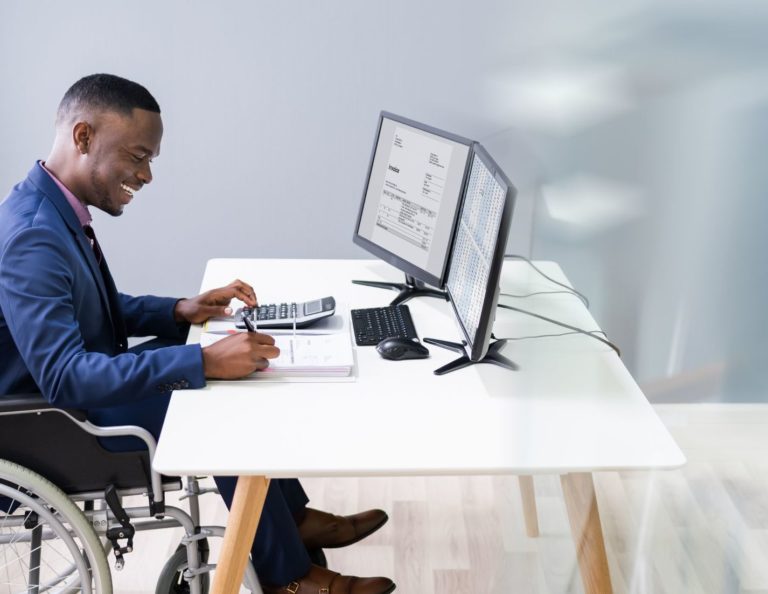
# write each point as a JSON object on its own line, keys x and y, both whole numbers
{"x": 238, "y": 355}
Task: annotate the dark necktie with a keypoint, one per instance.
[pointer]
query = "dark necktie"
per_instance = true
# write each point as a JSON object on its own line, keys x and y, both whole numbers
{"x": 114, "y": 306}
{"x": 91, "y": 235}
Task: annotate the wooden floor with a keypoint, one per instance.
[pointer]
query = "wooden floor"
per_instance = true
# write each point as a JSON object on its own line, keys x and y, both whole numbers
{"x": 702, "y": 529}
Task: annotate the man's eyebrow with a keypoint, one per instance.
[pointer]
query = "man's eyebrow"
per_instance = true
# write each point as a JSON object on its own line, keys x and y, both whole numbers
{"x": 142, "y": 148}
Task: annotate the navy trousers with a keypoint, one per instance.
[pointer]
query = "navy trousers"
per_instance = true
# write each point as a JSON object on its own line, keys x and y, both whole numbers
{"x": 278, "y": 554}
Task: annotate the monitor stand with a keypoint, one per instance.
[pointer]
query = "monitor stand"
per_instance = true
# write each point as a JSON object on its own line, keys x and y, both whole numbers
{"x": 412, "y": 287}
{"x": 492, "y": 356}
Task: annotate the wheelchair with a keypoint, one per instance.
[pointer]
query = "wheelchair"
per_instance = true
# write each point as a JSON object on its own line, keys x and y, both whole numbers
{"x": 61, "y": 505}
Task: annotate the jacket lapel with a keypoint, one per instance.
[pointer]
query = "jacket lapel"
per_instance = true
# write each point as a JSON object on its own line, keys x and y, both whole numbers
{"x": 103, "y": 279}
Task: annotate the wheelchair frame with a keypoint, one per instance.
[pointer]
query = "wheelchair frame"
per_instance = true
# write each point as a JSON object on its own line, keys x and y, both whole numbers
{"x": 100, "y": 486}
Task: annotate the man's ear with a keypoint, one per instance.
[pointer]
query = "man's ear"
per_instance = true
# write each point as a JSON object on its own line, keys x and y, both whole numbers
{"x": 82, "y": 134}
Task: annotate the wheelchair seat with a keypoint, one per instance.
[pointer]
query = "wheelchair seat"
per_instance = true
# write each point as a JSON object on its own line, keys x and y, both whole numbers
{"x": 43, "y": 438}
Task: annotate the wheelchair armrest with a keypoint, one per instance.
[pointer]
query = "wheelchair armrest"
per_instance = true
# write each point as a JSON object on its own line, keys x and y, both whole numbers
{"x": 32, "y": 402}
{"x": 43, "y": 459}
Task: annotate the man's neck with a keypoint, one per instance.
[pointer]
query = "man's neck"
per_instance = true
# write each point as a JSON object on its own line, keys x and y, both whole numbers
{"x": 59, "y": 167}
{"x": 80, "y": 208}
{"x": 56, "y": 165}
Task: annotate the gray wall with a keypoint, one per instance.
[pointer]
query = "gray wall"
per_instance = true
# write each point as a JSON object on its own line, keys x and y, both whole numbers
{"x": 632, "y": 131}
{"x": 269, "y": 111}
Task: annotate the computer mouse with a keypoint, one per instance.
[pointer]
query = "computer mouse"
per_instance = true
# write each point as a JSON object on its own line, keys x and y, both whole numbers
{"x": 400, "y": 349}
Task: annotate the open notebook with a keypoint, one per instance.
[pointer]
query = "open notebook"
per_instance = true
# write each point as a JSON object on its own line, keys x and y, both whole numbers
{"x": 304, "y": 355}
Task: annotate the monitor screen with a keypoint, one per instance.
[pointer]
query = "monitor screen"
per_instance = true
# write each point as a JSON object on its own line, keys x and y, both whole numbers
{"x": 478, "y": 251}
{"x": 412, "y": 196}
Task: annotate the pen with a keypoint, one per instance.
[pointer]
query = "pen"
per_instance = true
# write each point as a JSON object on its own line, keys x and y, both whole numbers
{"x": 249, "y": 324}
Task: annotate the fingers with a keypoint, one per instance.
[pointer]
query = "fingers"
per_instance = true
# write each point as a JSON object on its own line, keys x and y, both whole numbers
{"x": 259, "y": 338}
{"x": 263, "y": 345}
{"x": 214, "y": 311}
{"x": 244, "y": 292}
{"x": 239, "y": 355}
{"x": 217, "y": 300}
{"x": 260, "y": 365}
{"x": 254, "y": 344}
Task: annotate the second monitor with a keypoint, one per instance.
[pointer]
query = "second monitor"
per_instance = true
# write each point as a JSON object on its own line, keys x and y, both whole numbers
{"x": 411, "y": 202}
{"x": 476, "y": 262}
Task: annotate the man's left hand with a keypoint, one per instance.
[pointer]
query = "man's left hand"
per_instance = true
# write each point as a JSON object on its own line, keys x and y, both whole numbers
{"x": 214, "y": 303}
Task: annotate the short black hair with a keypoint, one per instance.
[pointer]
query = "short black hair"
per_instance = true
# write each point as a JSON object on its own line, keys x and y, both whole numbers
{"x": 107, "y": 92}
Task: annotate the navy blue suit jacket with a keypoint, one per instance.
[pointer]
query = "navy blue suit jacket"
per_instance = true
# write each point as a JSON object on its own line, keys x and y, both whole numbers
{"x": 63, "y": 329}
{"x": 63, "y": 325}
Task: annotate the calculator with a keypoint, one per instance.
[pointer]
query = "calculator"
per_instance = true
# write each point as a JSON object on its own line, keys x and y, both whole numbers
{"x": 282, "y": 315}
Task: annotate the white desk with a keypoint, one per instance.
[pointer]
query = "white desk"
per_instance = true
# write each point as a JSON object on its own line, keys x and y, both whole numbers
{"x": 571, "y": 409}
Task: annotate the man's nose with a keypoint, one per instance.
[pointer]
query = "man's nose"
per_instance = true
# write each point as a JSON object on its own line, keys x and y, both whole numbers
{"x": 145, "y": 173}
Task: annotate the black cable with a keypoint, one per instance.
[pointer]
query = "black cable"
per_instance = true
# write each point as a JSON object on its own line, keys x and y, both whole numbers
{"x": 547, "y": 335}
{"x": 549, "y": 278}
{"x": 541, "y": 293}
{"x": 564, "y": 325}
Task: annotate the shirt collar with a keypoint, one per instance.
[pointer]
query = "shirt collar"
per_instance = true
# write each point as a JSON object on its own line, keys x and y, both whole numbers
{"x": 81, "y": 210}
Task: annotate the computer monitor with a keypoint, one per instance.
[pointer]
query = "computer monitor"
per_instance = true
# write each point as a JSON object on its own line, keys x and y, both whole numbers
{"x": 476, "y": 260}
{"x": 411, "y": 202}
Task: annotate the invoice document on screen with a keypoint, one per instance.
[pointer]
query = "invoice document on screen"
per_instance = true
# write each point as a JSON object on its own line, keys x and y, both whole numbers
{"x": 409, "y": 204}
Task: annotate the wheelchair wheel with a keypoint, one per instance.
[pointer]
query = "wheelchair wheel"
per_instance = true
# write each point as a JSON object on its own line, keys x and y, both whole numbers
{"x": 171, "y": 580}
{"x": 46, "y": 542}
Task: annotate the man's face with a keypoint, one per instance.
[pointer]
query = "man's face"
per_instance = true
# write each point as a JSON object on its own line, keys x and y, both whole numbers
{"x": 118, "y": 157}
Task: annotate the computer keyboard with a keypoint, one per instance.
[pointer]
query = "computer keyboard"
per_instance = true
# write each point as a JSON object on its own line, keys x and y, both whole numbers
{"x": 282, "y": 315}
{"x": 374, "y": 324}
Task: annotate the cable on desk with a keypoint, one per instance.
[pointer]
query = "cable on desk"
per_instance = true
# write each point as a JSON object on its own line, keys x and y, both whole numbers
{"x": 541, "y": 293}
{"x": 581, "y": 296}
{"x": 547, "y": 335}
{"x": 564, "y": 325}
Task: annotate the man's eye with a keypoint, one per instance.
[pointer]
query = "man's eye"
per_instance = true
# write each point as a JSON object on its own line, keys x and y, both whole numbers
{"x": 137, "y": 158}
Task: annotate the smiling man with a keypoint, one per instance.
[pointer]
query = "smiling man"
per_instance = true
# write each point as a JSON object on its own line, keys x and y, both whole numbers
{"x": 116, "y": 149}
{"x": 64, "y": 327}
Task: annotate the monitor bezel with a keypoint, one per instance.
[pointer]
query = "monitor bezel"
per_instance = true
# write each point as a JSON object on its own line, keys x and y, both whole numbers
{"x": 478, "y": 347}
{"x": 383, "y": 254}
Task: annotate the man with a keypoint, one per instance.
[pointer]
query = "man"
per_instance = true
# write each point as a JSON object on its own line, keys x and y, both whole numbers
{"x": 64, "y": 327}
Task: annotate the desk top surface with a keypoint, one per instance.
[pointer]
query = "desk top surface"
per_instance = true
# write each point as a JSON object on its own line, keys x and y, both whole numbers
{"x": 571, "y": 407}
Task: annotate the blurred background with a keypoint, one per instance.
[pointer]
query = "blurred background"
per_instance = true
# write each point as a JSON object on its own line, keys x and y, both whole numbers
{"x": 635, "y": 132}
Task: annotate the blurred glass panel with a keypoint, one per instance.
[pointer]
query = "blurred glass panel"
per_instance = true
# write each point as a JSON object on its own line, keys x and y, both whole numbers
{"x": 645, "y": 139}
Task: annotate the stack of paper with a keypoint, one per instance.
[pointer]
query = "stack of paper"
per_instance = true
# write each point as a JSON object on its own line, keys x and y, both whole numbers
{"x": 325, "y": 354}
{"x": 304, "y": 355}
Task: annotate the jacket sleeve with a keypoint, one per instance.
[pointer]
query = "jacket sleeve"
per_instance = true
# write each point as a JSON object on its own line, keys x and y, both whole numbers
{"x": 151, "y": 316}
{"x": 42, "y": 298}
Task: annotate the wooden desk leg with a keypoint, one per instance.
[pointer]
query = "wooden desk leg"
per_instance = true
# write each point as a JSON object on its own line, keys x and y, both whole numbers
{"x": 529, "y": 505}
{"x": 250, "y": 493}
{"x": 581, "y": 503}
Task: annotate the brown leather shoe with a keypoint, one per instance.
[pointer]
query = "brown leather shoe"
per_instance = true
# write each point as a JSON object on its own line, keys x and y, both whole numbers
{"x": 325, "y": 581}
{"x": 321, "y": 530}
